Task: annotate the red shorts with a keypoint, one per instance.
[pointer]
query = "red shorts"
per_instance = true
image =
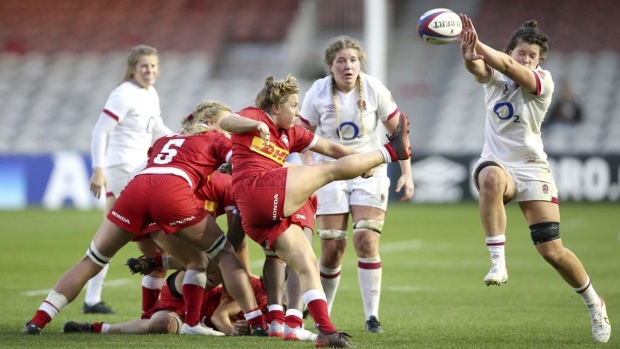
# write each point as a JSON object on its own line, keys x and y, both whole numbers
{"x": 217, "y": 195}
{"x": 167, "y": 301}
{"x": 166, "y": 200}
{"x": 261, "y": 202}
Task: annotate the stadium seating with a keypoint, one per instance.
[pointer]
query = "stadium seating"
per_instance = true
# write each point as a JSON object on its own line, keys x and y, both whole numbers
{"x": 59, "y": 60}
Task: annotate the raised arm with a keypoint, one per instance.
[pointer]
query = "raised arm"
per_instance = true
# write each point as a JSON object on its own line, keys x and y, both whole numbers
{"x": 476, "y": 54}
{"x": 237, "y": 124}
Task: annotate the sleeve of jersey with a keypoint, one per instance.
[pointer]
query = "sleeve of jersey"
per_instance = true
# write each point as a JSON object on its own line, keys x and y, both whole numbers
{"x": 386, "y": 106}
{"x": 303, "y": 139}
{"x": 309, "y": 114}
{"x": 118, "y": 104}
{"x": 103, "y": 127}
{"x": 544, "y": 83}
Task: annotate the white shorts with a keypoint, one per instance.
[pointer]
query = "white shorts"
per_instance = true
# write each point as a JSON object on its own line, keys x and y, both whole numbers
{"x": 533, "y": 182}
{"x": 117, "y": 178}
{"x": 337, "y": 197}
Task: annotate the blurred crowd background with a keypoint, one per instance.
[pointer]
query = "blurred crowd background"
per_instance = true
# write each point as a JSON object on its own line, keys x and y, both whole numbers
{"x": 60, "y": 59}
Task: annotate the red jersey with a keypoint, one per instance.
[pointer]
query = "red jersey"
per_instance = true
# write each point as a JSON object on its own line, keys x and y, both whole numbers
{"x": 193, "y": 157}
{"x": 171, "y": 300}
{"x": 217, "y": 194}
{"x": 251, "y": 157}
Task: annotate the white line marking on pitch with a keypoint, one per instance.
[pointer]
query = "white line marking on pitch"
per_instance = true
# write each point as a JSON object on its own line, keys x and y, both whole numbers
{"x": 385, "y": 248}
{"x": 396, "y": 246}
{"x": 108, "y": 283}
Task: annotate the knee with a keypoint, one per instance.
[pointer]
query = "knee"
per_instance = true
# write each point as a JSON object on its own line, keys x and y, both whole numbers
{"x": 492, "y": 182}
{"x": 163, "y": 324}
{"x": 552, "y": 253}
{"x": 542, "y": 235}
{"x": 332, "y": 251}
{"x": 198, "y": 264}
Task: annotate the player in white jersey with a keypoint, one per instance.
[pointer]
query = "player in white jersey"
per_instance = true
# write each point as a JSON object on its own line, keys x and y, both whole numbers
{"x": 346, "y": 107}
{"x": 129, "y": 123}
{"x": 513, "y": 164}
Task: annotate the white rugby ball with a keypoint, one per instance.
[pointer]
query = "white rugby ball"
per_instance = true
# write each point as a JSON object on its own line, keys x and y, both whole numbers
{"x": 439, "y": 26}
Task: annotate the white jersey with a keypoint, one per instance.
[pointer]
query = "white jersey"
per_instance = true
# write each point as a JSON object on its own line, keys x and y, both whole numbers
{"x": 513, "y": 119}
{"x": 318, "y": 110}
{"x": 131, "y": 119}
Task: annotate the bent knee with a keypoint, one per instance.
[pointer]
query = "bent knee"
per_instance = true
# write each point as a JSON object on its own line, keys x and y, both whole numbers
{"x": 164, "y": 324}
{"x": 492, "y": 180}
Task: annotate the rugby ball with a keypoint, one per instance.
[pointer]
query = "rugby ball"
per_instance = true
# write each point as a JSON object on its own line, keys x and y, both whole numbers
{"x": 439, "y": 26}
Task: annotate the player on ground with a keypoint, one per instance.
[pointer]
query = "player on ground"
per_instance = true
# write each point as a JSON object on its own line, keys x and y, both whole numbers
{"x": 268, "y": 194}
{"x": 219, "y": 310}
{"x": 130, "y": 122}
{"x": 164, "y": 194}
{"x": 349, "y": 106}
{"x": 513, "y": 164}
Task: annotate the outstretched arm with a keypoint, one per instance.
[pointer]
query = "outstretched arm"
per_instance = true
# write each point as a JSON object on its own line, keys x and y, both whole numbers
{"x": 474, "y": 62}
{"x": 475, "y": 54}
{"x": 238, "y": 124}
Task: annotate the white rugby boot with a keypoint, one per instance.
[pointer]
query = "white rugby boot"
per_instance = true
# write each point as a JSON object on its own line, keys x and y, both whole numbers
{"x": 297, "y": 334}
{"x": 200, "y": 330}
{"x": 498, "y": 275}
{"x": 275, "y": 329}
{"x": 601, "y": 328}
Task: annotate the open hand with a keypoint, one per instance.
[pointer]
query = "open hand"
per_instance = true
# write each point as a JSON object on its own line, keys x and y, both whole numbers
{"x": 468, "y": 40}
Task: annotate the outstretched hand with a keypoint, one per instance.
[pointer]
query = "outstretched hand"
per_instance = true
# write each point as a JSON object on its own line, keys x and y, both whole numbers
{"x": 264, "y": 132}
{"x": 468, "y": 40}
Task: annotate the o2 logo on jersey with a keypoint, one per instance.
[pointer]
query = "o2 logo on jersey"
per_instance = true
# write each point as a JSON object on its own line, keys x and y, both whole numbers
{"x": 150, "y": 124}
{"x": 505, "y": 111}
{"x": 346, "y": 126}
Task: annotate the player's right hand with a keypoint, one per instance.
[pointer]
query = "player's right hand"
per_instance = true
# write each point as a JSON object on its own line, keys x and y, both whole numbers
{"x": 264, "y": 132}
{"x": 98, "y": 182}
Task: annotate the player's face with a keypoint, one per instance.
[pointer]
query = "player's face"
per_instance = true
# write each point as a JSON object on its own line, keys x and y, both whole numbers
{"x": 345, "y": 68}
{"x": 288, "y": 113}
{"x": 526, "y": 54}
{"x": 146, "y": 71}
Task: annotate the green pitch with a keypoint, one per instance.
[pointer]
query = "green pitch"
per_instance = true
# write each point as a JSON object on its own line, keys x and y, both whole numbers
{"x": 434, "y": 259}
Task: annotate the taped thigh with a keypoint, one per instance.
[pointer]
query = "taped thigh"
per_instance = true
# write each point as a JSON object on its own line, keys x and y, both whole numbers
{"x": 544, "y": 232}
{"x": 368, "y": 224}
{"x": 96, "y": 256}
{"x": 332, "y": 234}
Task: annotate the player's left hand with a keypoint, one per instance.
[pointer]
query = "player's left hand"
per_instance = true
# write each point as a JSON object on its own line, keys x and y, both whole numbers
{"x": 405, "y": 184}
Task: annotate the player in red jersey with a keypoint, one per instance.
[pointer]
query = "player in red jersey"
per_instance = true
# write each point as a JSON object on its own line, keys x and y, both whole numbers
{"x": 192, "y": 257}
{"x": 219, "y": 310}
{"x": 164, "y": 193}
{"x": 268, "y": 194}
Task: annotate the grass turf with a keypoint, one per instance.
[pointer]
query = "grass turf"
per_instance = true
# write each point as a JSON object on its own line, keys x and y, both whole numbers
{"x": 433, "y": 296}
